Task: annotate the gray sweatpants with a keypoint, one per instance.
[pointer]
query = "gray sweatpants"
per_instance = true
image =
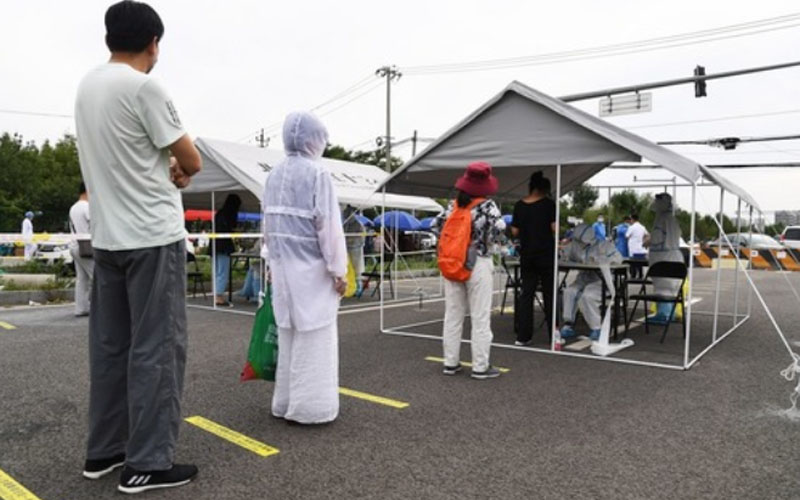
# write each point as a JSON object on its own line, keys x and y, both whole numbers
{"x": 137, "y": 354}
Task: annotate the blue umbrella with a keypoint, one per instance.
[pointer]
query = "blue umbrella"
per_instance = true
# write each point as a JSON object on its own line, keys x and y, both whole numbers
{"x": 507, "y": 219}
{"x": 363, "y": 220}
{"x": 426, "y": 223}
{"x": 248, "y": 217}
{"x": 403, "y": 221}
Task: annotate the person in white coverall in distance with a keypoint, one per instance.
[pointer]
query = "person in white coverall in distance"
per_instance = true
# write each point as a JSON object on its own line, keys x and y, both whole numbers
{"x": 307, "y": 257}
{"x": 665, "y": 240}
{"x": 587, "y": 289}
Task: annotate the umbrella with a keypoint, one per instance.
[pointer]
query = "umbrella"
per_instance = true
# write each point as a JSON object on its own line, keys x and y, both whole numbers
{"x": 425, "y": 224}
{"x": 363, "y": 220}
{"x": 507, "y": 218}
{"x": 248, "y": 217}
{"x": 403, "y": 221}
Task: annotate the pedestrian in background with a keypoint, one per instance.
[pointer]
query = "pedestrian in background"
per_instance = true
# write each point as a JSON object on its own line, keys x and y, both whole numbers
{"x": 637, "y": 234}
{"x": 600, "y": 228}
{"x": 81, "y": 252}
{"x": 27, "y": 235}
{"x": 127, "y": 126}
{"x": 620, "y": 236}
{"x": 224, "y": 222}
{"x": 305, "y": 248}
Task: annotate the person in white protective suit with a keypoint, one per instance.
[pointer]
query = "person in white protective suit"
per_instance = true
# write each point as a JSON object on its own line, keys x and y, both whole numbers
{"x": 27, "y": 235}
{"x": 664, "y": 247}
{"x": 586, "y": 291}
{"x": 306, "y": 253}
{"x": 354, "y": 239}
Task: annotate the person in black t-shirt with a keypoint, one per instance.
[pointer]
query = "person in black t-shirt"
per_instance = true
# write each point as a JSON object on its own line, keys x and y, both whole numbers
{"x": 534, "y": 223}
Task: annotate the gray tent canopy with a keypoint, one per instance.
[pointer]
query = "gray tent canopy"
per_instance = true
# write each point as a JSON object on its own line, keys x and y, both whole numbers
{"x": 522, "y": 129}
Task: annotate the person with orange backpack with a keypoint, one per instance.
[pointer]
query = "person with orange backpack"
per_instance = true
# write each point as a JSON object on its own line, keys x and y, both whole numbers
{"x": 467, "y": 231}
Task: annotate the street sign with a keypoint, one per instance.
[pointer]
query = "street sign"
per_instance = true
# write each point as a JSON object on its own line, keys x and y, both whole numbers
{"x": 639, "y": 102}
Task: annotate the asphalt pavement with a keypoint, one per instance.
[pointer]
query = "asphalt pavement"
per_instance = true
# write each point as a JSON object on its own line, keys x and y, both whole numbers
{"x": 551, "y": 427}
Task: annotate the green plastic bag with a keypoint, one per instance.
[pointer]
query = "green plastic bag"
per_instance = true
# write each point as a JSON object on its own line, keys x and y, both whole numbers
{"x": 262, "y": 356}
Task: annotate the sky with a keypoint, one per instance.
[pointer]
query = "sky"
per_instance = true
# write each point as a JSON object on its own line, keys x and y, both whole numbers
{"x": 236, "y": 66}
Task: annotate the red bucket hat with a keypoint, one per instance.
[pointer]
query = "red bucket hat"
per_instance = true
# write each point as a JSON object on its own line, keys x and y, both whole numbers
{"x": 478, "y": 180}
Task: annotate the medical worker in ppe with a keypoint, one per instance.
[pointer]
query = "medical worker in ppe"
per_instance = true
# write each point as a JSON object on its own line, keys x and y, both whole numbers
{"x": 587, "y": 289}
{"x": 27, "y": 235}
{"x": 307, "y": 257}
{"x": 664, "y": 247}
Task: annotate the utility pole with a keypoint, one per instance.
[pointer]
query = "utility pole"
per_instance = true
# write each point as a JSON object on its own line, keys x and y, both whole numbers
{"x": 390, "y": 73}
{"x": 261, "y": 140}
{"x": 414, "y": 144}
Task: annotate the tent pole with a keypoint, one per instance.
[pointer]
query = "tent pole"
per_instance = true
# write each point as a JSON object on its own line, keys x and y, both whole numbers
{"x": 738, "y": 260}
{"x": 750, "y": 267}
{"x": 719, "y": 267}
{"x": 383, "y": 246}
{"x": 213, "y": 251}
{"x": 687, "y": 310}
{"x": 555, "y": 324}
{"x": 610, "y": 212}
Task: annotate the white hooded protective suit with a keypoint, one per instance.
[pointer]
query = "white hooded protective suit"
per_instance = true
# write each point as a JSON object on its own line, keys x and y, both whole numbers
{"x": 586, "y": 291}
{"x": 27, "y": 236}
{"x": 305, "y": 249}
{"x": 665, "y": 247}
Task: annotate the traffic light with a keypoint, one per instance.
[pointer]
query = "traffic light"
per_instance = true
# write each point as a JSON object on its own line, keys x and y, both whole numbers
{"x": 700, "y": 85}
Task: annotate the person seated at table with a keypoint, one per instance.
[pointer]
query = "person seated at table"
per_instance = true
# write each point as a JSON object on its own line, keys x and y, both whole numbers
{"x": 534, "y": 223}
{"x": 620, "y": 239}
{"x": 252, "y": 284}
{"x": 665, "y": 246}
{"x": 586, "y": 292}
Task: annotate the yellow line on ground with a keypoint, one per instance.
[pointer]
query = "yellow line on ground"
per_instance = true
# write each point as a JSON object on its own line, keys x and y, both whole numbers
{"x": 12, "y": 490}
{"x": 7, "y": 326}
{"x": 372, "y": 398}
{"x": 441, "y": 360}
{"x": 234, "y": 437}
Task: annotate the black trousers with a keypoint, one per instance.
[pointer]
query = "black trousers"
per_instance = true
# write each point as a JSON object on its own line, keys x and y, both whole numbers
{"x": 533, "y": 272}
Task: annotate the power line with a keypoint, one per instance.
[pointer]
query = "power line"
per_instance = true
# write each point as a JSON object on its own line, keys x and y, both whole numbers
{"x": 718, "y": 119}
{"x": 34, "y": 113}
{"x": 704, "y": 36}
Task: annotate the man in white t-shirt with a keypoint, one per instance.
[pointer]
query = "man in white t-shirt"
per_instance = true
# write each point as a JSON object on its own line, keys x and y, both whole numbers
{"x": 636, "y": 240}
{"x": 84, "y": 266}
{"x": 127, "y": 128}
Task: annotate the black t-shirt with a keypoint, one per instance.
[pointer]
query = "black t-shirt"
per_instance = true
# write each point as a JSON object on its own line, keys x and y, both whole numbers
{"x": 534, "y": 221}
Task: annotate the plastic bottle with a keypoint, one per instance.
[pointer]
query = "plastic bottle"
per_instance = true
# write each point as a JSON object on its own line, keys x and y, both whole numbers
{"x": 556, "y": 339}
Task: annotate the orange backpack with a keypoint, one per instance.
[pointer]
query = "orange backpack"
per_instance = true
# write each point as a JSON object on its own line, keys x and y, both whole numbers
{"x": 454, "y": 242}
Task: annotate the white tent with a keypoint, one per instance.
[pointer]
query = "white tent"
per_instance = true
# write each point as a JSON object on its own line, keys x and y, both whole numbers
{"x": 237, "y": 168}
{"x": 521, "y": 130}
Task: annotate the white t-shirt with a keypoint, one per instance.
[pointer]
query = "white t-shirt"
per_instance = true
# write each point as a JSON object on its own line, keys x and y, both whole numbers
{"x": 79, "y": 219}
{"x": 125, "y": 121}
{"x": 635, "y": 237}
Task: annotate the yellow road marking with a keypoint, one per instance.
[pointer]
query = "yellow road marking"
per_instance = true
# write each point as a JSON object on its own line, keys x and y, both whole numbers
{"x": 374, "y": 399}
{"x": 7, "y": 326}
{"x": 234, "y": 437}
{"x": 441, "y": 360}
{"x": 12, "y": 490}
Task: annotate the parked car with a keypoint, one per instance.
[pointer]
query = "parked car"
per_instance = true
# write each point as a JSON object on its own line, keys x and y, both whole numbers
{"x": 790, "y": 237}
{"x": 755, "y": 241}
{"x": 52, "y": 252}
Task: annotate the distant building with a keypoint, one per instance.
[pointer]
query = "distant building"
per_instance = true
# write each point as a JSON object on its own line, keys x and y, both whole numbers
{"x": 788, "y": 217}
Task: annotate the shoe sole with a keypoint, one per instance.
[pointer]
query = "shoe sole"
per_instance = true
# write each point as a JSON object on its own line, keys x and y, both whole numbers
{"x": 484, "y": 377}
{"x": 132, "y": 490}
{"x": 101, "y": 473}
{"x": 451, "y": 372}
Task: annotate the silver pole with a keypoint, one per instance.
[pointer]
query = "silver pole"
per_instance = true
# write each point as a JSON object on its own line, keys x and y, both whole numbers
{"x": 213, "y": 251}
{"x": 738, "y": 265}
{"x": 383, "y": 246}
{"x": 719, "y": 266}
{"x": 687, "y": 310}
{"x": 750, "y": 267}
{"x": 554, "y": 324}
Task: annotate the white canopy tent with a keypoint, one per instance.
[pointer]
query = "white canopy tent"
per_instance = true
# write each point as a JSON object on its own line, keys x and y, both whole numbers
{"x": 230, "y": 167}
{"x": 521, "y": 130}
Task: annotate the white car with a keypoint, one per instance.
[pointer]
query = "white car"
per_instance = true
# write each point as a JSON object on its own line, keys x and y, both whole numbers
{"x": 791, "y": 237}
{"x": 51, "y": 252}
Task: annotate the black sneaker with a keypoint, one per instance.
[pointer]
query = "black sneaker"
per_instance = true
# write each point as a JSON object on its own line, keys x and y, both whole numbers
{"x": 133, "y": 481}
{"x": 490, "y": 372}
{"x": 95, "y": 469}
{"x": 451, "y": 370}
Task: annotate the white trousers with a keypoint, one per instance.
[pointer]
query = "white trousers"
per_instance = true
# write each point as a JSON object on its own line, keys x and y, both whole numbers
{"x": 587, "y": 296}
{"x": 475, "y": 293}
{"x": 307, "y": 380}
{"x": 84, "y": 272}
{"x": 30, "y": 250}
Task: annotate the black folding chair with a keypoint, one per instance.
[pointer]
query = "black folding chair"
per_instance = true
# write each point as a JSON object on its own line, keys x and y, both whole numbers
{"x": 196, "y": 276}
{"x": 380, "y": 274}
{"x": 665, "y": 270}
{"x": 512, "y": 281}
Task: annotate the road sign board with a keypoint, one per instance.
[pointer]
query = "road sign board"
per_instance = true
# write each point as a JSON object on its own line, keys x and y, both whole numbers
{"x": 639, "y": 102}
